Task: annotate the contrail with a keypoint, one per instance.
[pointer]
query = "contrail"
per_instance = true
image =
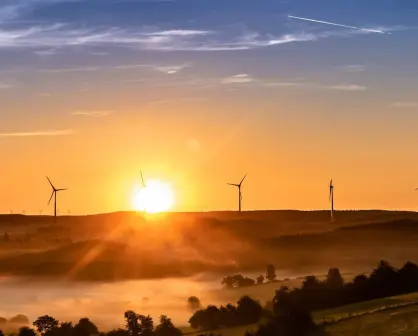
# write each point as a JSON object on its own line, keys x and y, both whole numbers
{"x": 339, "y": 25}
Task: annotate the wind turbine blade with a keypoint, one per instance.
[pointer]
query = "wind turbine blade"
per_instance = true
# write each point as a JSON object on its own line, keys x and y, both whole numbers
{"x": 142, "y": 178}
{"x": 235, "y": 185}
{"x": 50, "y": 183}
{"x": 51, "y": 196}
{"x": 243, "y": 179}
{"x": 62, "y": 189}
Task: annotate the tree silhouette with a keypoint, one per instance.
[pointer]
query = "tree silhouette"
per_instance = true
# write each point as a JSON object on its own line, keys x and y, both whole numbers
{"x": 260, "y": 279}
{"x": 334, "y": 278}
{"x": 271, "y": 273}
{"x": 193, "y": 303}
{"x": 1, "y": 333}
{"x": 85, "y": 327}
{"x": 66, "y": 329}
{"x": 132, "y": 323}
{"x": 249, "y": 310}
{"x": 26, "y": 331}
{"x": 228, "y": 282}
{"x": 166, "y": 328}
{"x": 118, "y": 332}
{"x": 45, "y": 324}
{"x": 147, "y": 325}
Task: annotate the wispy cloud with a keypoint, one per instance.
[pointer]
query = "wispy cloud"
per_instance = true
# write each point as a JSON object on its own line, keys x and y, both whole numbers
{"x": 60, "y": 35}
{"x": 347, "y": 87}
{"x": 237, "y": 79}
{"x": 171, "y": 69}
{"x": 37, "y": 133}
{"x": 275, "y": 83}
{"x": 405, "y": 104}
{"x": 96, "y": 113}
{"x": 5, "y": 86}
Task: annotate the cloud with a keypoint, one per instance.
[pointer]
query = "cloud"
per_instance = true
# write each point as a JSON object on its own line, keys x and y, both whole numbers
{"x": 237, "y": 79}
{"x": 60, "y": 35}
{"x": 37, "y": 133}
{"x": 347, "y": 87}
{"x": 5, "y": 86}
{"x": 173, "y": 69}
{"x": 405, "y": 104}
{"x": 179, "y": 32}
{"x": 84, "y": 69}
{"x": 97, "y": 113}
{"x": 273, "y": 83}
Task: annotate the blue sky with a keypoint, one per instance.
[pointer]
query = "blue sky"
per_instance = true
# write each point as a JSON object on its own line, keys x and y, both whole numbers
{"x": 78, "y": 70}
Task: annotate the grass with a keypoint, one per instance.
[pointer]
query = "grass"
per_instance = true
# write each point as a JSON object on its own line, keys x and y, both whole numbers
{"x": 401, "y": 321}
{"x": 394, "y": 321}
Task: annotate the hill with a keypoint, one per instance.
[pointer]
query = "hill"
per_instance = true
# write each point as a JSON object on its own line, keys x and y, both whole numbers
{"x": 127, "y": 245}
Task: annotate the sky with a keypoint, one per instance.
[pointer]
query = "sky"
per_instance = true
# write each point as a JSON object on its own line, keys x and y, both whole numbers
{"x": 198, "y": 93}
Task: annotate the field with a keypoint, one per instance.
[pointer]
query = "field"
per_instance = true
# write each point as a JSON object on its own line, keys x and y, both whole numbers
{"x": 375, "y": 317}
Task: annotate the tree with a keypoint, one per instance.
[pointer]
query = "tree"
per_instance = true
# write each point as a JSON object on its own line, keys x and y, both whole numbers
{"x": 166, "y": 328}
{"x": 147, "y": 325}
{"x": 249, "y": 310}
{"x": 194, "y": 303}
{"x": 228, "y": 282}
{"x": 26, "y": 331}
{"x": 45, "y": 324}
{"x": 85, "y": 327}
{"x": 67, "y": 329}
{"x": 118, "y": 332}
{"x": 132, "y": 323}
{"x": 206, "y": 319}
{"x": 310, "y": 282}
{"x": 271, "y": 273}
{"x": 1, "y": 333}
{"x": 260, "y": 279}
{"x": 334, "y": 278}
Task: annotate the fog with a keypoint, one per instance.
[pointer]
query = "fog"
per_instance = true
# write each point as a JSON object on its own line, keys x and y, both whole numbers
{"x": 103, "y": 303}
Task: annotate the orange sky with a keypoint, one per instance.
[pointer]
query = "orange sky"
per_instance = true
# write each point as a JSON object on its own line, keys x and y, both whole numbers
{"x": 289, "y": 158}
{"x": 198, "y": 94}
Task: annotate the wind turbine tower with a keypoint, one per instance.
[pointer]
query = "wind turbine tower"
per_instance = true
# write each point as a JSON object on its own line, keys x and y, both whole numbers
{"x": 239, "y": 191}
{"x": 54, "y": 193}
{"x": 142, "y": 179}
{"x": 331, "y": 199}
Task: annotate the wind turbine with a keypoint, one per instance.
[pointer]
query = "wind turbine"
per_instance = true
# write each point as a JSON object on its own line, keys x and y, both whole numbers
{"x": 239, "y": 191}
{"x": 331, "y": 199}
{"x": 54, "y": 193}
{"x": 142, "y": 179}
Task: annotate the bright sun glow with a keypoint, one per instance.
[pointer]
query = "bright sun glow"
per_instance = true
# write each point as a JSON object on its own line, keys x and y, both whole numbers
{"x": 155, "y": 197}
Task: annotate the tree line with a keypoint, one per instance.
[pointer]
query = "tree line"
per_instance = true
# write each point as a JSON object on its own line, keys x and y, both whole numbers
{"x": 238, "y": 280}
{"x": 289, "y": 312}
{"x": 385, "y": 280}
{"x": 135, "y": 325}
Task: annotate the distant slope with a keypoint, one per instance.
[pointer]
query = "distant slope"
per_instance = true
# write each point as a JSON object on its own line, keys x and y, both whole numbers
{"x": 126, "y": 245}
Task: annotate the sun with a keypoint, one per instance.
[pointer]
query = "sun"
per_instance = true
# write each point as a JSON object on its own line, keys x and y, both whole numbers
{"x": 155, "y": 197}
